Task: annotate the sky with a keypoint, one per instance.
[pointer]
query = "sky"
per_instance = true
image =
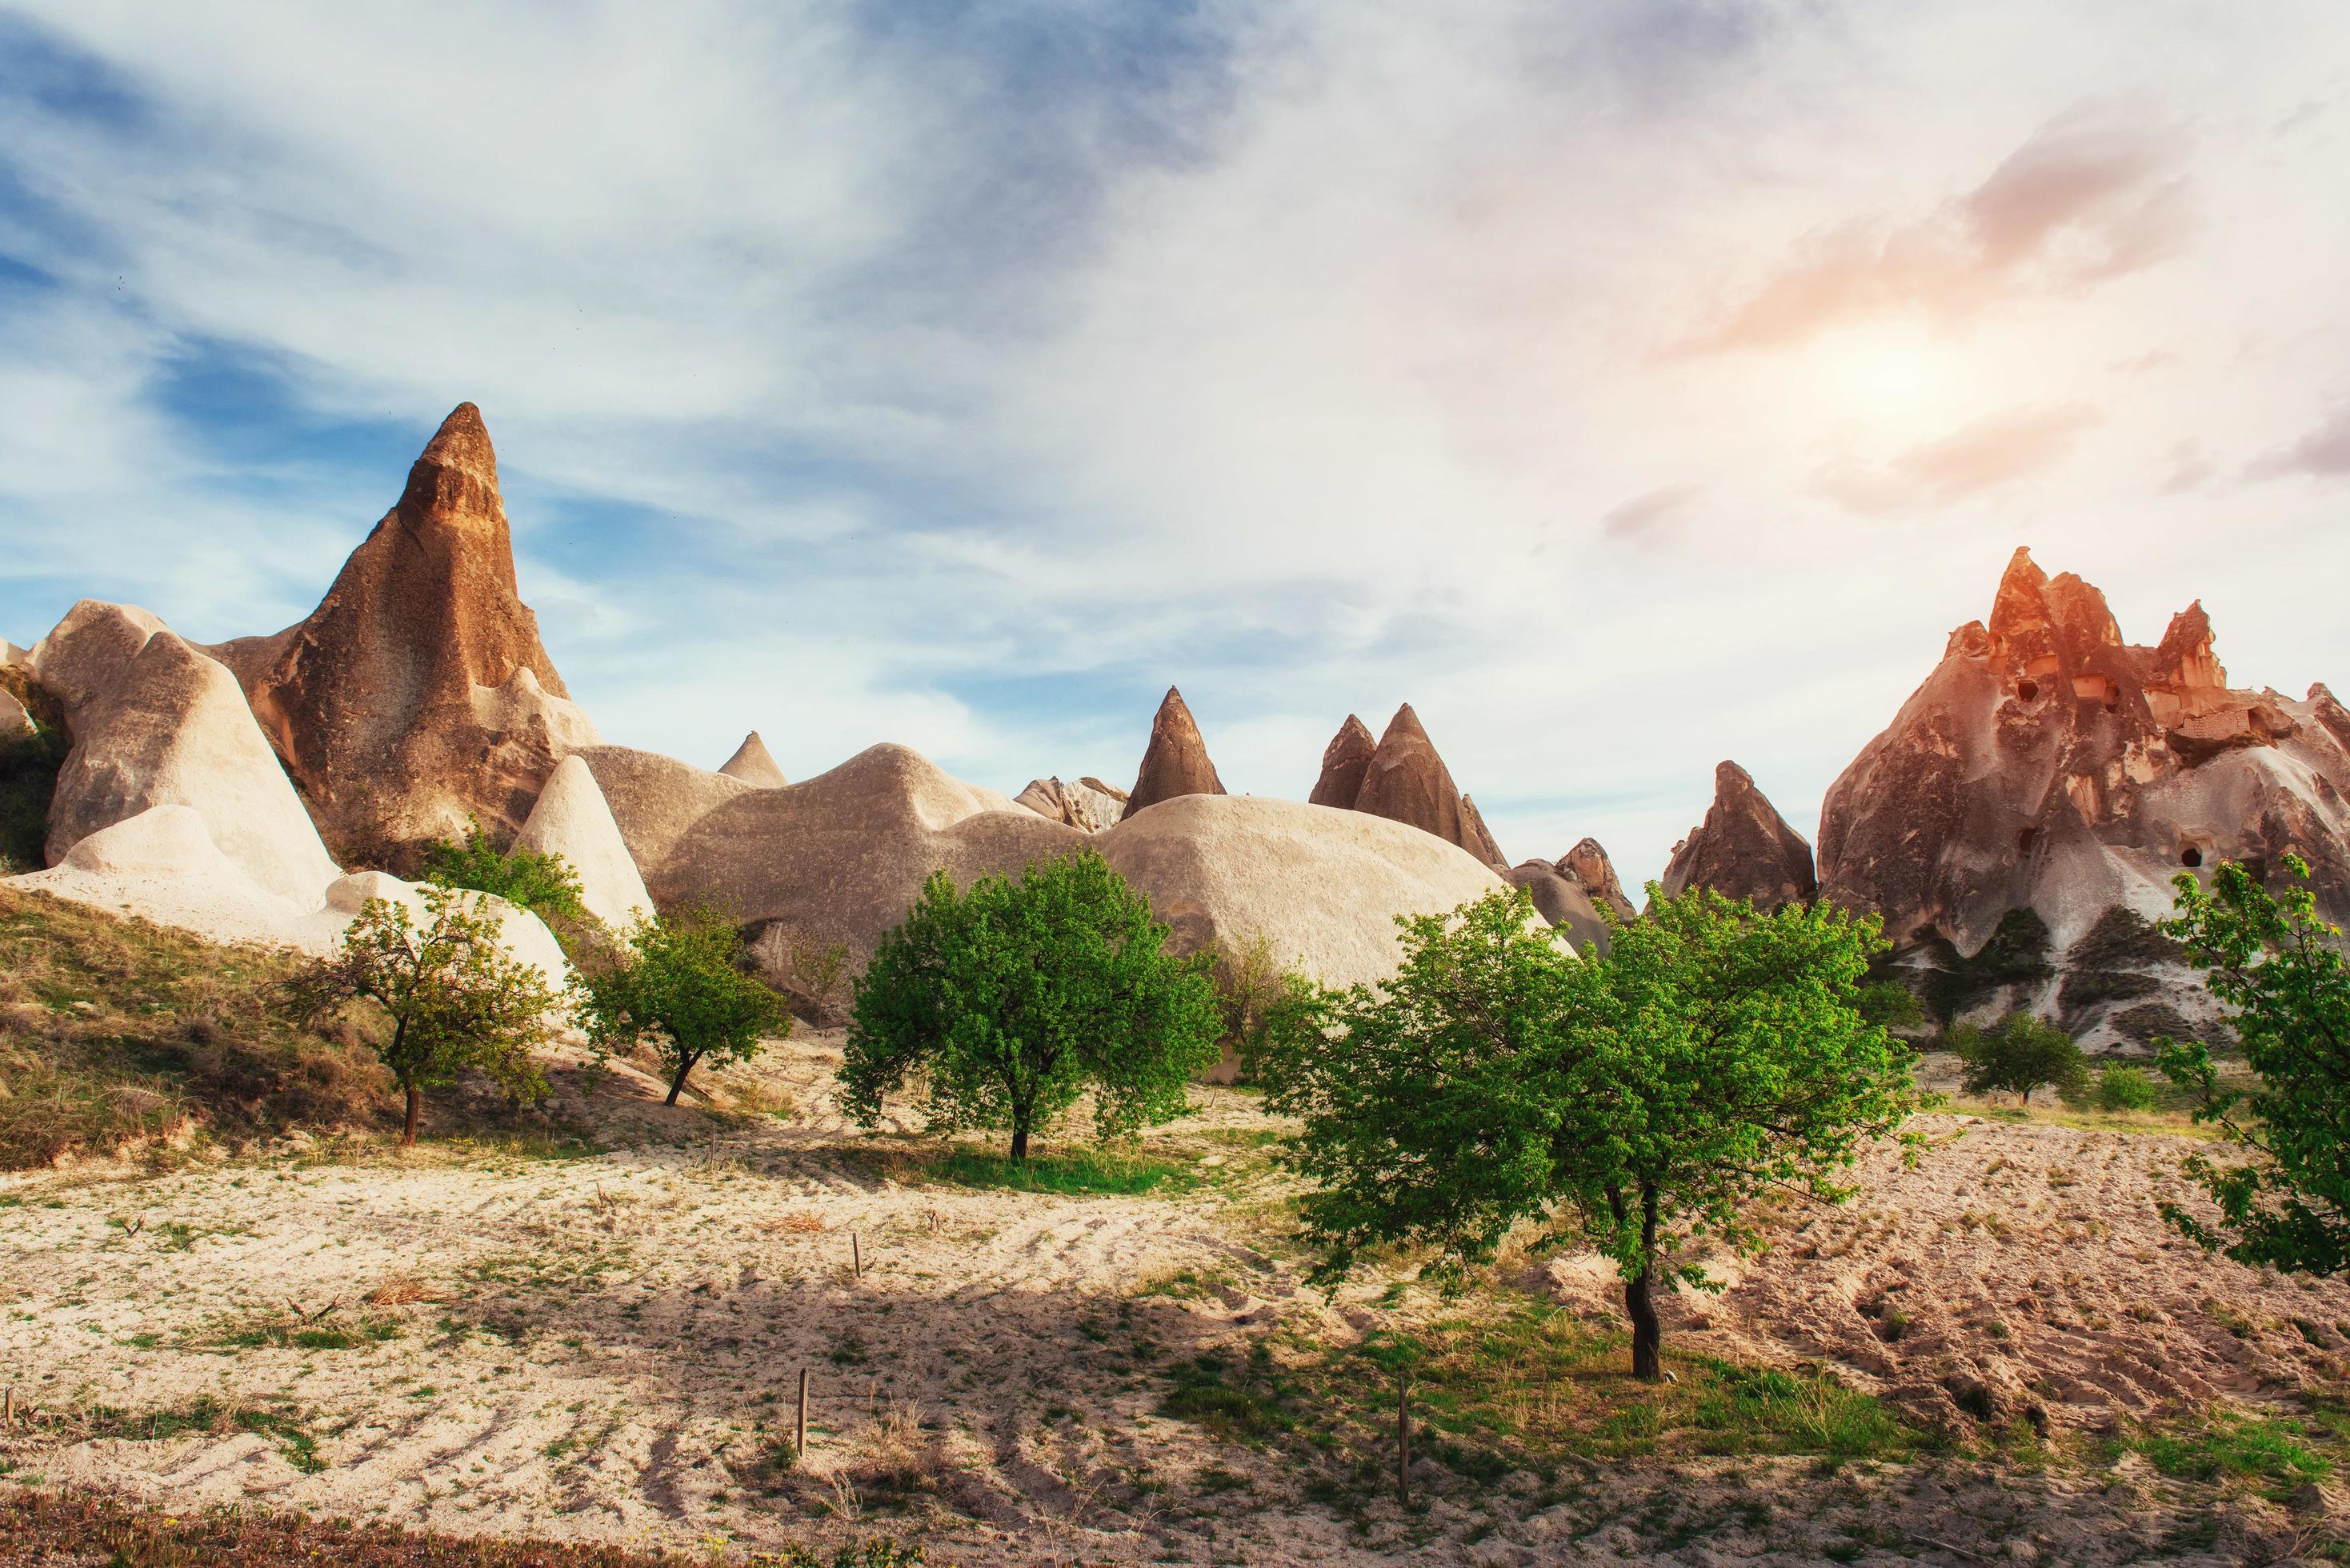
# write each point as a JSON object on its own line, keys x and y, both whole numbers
{"x": 1628, "y": 385}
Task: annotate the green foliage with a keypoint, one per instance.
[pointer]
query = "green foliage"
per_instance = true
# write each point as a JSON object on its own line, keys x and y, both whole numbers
{"x": 680, "y": 987}
{"x": 2124, "y": 1088}
{"x": 1635, "y": 1101}
{"x": 1889, "y": 1005}
{"x": 2279, "y": 973}
{"x": 2020, "y": 1054}
{"x": 1082, "y": 1170}
{"x": 29, "y": 761}
{"x": 454, "y": 997}
{"x": 1009, "y": 1001}
{"x": 545, "y": 885}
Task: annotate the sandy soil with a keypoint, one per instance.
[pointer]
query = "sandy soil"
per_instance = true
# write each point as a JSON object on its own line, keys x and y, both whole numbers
{"x": 609, "y": 1347}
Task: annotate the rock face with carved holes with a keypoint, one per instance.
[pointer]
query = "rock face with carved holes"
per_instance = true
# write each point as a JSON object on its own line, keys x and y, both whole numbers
{"x": 2048, "y": 766}
{"x": 417, "y": 694}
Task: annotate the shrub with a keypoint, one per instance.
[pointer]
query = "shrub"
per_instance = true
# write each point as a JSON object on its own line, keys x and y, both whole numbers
{"x": 545, "y": 885}
{"x": 454, "y": 997}
{"x": 29, "y": 761}
{"x": 681, "y": 986}
{"x": 1010, "y": 1001}
{"x": 2021, "y": 1054}
{"x": 2124, "y": 1088}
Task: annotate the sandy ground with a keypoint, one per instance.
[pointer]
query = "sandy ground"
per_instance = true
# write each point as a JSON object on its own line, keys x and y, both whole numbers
{"x": 609, "y": 1347}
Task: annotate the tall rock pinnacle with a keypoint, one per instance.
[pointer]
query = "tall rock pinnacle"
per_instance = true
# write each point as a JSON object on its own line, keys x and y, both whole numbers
{"x": 1344, "y": 760}
{"x": 1744, "y": 848}
{"x": 417, "y": 693}
{"x": 1406, "y": 780}
{"x": 1176, "y": 762}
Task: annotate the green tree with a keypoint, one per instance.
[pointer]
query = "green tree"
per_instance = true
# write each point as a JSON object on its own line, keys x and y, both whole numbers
{"x": 1011, "y": 1000}
{"x": 681, "y": 985}
{"x": 1634, "y": 1102}
{"x": 2121, "y": 1087}
{"x": 2020, "y": 1054}
{"x": 2278, "y": 973}
{"x": 455, "y": 998}
{"x": 545, "y": 885}
{"x": 1889, "y": 1004}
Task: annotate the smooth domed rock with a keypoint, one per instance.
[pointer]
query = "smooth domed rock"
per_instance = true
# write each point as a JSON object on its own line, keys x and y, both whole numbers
{"x": 1175, "y": 762}
{"x": 654, "y": 800}
{"x": 1588, "y": 866}
{"x": 417, "y": 694}
{"x": 1086, "y": 805}
{"x": 1743, "y": 849}
{"x": 154, "y": 722}
{"x": 1323, "y": 885}
{"x": 1405, "y": 780}
{"x": 1565, "y": 903}
{"x": 1343, "y": 762}
{"x": 573, "y": 820}
{"x": 752, "y": 765}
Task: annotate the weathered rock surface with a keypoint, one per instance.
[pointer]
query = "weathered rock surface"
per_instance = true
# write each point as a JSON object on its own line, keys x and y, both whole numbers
{"x": 1343, "y": 762}
{"x": 2046, "y": 765}
{"x": 654, "y": 800}
{"x": 14, "y": 718}
{"x": 1744, "y": 848}
{"x": 1565, "y": 903}
{"x": 154, "y": 722}
{"x": 1175, "y": 762}
{"x": 1089, "y": 804}
{"x": 1405, "y": 780}
{"x": 572, "y": 820}
{"x": 752, "y": 763}
{"x": 417, "y": 693}
{"x": 1587, "y": 864}
{"x": 1323, "y": 885}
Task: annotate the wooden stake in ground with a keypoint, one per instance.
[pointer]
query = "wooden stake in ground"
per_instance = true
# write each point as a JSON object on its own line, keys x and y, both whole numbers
{"x": 799, "y": 1427}
{"x": 1403, "y": 1437}
{"x": 855, "y": 1256}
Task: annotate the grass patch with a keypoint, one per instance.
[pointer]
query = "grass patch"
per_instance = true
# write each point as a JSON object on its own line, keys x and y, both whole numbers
{"x": 1226, "y": 1403}
{"x": 1070, "y": 1171}
{"x": 282, "y": 1422}
{"x": 2283, "y": 1453}
{"x": 331, "y": 1334}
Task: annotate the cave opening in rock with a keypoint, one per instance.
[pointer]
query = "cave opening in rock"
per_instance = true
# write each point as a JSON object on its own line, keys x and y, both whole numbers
{"x": 2027, "y": 838}
{"x": 2190, "y": 856}
{"x": 2027, "y": 690}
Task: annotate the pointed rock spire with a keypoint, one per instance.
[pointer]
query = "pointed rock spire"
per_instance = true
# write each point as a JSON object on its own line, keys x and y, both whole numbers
{"x": 573, "y": 819}
{"x": 1743, "y": 849}
{"x": 753, "y": 765}
{"x": 2021, "y": 606}
{"x": 1344, "y": 760}
{"x": 418, "y": 693}
{"x": 1406, "y": 780}
{"x": 1176, "y": 762}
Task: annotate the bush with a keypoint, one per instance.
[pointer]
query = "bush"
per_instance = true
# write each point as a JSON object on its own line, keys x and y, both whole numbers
{"x": 2124, "y": 1088}
{"x": 1008, "y": 1002}
{"x": 681, "y": 986}
{"x": 2020, "y": 1054}
{"x": 545, "y": 885}
{"x": 29, "y": 761}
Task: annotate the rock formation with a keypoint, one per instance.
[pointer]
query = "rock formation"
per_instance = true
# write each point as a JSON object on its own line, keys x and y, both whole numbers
{"x": 752, "y": 763}
{"x": 1323, "y": 887}
{"x": 1405, "y": 780}
{"x": 1175, "y": 762}
{"x": 572, "y": 819}
{"x": 154, "y": 722}
{"x": 1088, "y": 804}
{"x": 1344, "y": 762}
{"x": 417, "y": 693}
{"x": 654, "y": 800}
{"x": 1588, "y": 866}
{"x": 2046, "y": 766}
{"x": 1743, "y": 849}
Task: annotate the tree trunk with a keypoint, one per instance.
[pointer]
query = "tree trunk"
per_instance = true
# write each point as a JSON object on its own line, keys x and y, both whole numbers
{"x": 415, "y": 1110}
{"x": 1648, "y": 1334}
{"x": 1020, "y": 1143}
{"x": 678, "y": 1086}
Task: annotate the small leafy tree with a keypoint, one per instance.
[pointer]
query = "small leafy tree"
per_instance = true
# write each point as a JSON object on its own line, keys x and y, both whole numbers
{"x": 1635, "y": 1101}
{"x": 2121, "y": 1087}
{"x": 681, "y": 985}
{"x": 1011, "y": 1000}
{"x": 455, "y": 998}
{"x": 2020, "y": 1054}
{"x": 2279, "y": 971}
{"x": 545, "y": 885}
{"x": 1889, "y": 1004}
